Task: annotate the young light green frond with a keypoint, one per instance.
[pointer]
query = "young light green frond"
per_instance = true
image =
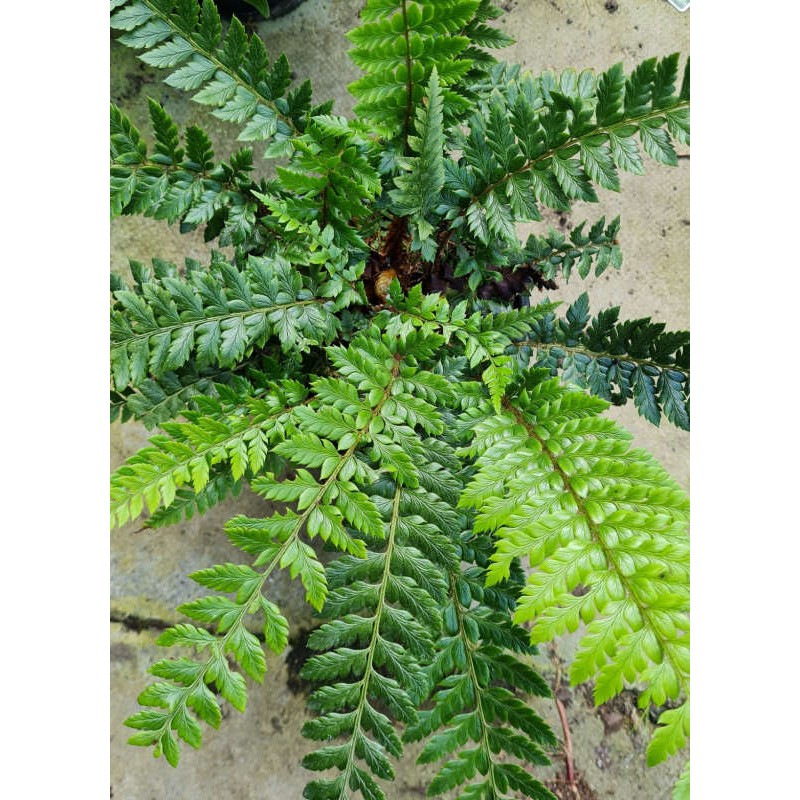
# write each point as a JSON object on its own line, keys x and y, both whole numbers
{"x": 215, "y": 317}
{"x": 618, "y": 361}
{"x": 186, "y": 453}
{"x": 417, "y": 192}
{"x": 187, "y": 502}
{"x": 681, "y": 789}
{"x": 185, "y": 693}
{"x": 589, "y": 512}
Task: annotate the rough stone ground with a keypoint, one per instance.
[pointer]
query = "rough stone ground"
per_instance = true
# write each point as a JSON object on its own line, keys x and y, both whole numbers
{"x": 258, "y": 754}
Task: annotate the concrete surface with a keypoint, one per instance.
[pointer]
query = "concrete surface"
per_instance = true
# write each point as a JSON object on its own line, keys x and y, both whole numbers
{"x": 257, "y": 755}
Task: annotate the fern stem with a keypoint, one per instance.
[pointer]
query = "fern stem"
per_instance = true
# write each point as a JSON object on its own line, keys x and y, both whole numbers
{"x": 641, "y": 606}
{"x": 351, "y": 756}
{"x": 577, "y": 349}
{"x": 562, "y": 715}
{"x": 198, "y": 48}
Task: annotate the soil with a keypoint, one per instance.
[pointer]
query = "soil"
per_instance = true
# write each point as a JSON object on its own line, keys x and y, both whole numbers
{"x": 578, "y": 789}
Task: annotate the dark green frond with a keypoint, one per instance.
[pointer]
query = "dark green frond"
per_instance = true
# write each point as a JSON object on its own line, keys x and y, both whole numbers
{"x": 471, "y": 705}
{"x": 215, "y": 317}
{"x": 554, "y": 139}
{"x": 618, "y": 361}
{"x": 230, "y": 73}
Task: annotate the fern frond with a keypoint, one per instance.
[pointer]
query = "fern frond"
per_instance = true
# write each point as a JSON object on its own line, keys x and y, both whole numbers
{"x": 173, "y": 702}
{"x": 215, "y": 316}
{"x": 616, "y": 360}
{"x": 157, "y": 400}
{"x": 472, "y": 668}
{"x": 551, "y": 140}
{"x": 177, "y": 184}
{"x": 561, "y": 486}
{"x": 418, "y": 191}
{"x": 321, "y": 508}
{"x": 397, "y": 46}
{"x": 330, "y": 179}
{"x": 237, "y": 436}
{"x": 553, "y": 255}
{"x": 681, "y": 789}
{"x": 232, "y": 74}
{"x": 384, "y": 616}
{"x": 188, "y": 502}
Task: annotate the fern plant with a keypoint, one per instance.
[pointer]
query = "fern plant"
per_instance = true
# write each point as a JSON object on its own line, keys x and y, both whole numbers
{"x": 367, "y": 356}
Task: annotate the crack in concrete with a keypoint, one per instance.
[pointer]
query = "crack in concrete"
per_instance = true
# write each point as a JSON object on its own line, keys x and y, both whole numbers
{"x": 133, "y": 622}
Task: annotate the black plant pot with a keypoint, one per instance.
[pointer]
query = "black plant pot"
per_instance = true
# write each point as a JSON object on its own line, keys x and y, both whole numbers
{"x": 244, "y": 11}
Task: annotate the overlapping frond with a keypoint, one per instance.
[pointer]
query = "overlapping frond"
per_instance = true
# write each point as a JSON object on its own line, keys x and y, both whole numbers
{"x": 633, "y": 359}
{"x": 550, "y": 140}
{"x": 230, "y": 73}
{"x": 418, "y": 190}
{"x": 561, "y": 486}
{"x": 475, "y": 717}
{"x": 180, "y": 180}
{"x": 365, "y": 416}
{"x": 237, "y": 435}
{"x": 329, "y": 180}
{"x": 553, "y": 255}
{"x": 397, "y": 45}
{"x": 383, "y": 617}
{"x": 485, "y": 336}
{"x": 213, "y": 316}
{"x": 156, "y": 400}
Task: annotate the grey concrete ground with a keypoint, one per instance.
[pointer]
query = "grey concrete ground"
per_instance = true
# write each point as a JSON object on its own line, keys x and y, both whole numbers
{"x": 257, "y": 755}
